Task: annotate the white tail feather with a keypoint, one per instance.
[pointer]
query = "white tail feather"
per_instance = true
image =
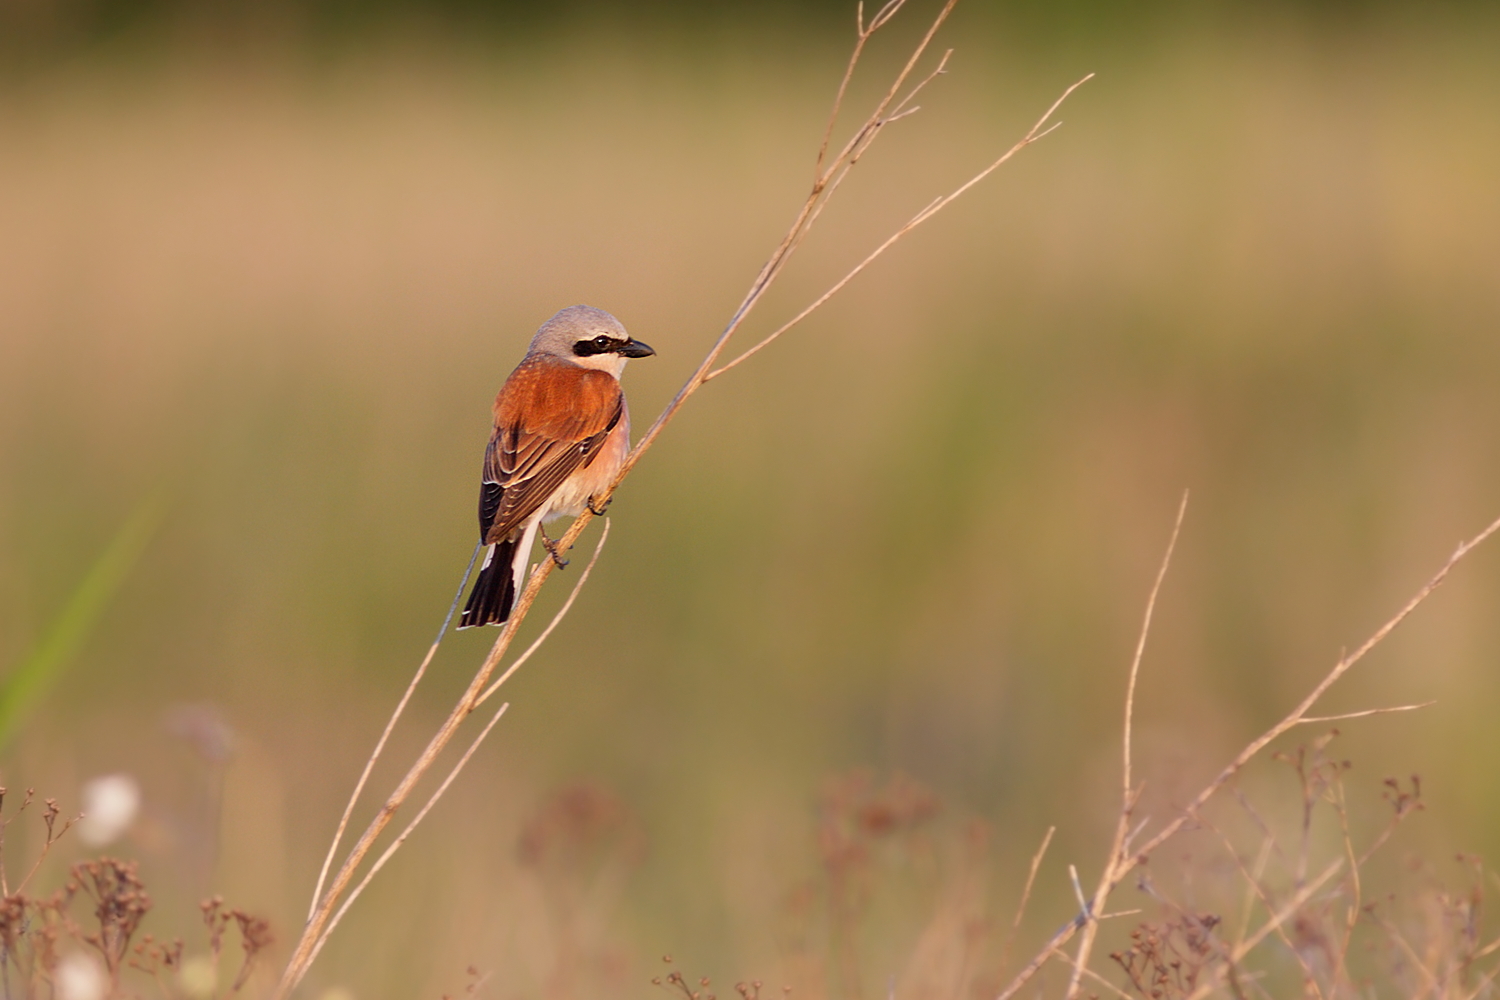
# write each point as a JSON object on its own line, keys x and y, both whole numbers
{"x": 522, "y": 556}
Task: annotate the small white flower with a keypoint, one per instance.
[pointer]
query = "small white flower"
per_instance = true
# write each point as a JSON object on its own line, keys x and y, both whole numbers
{"x": 109, "y": 807}
{"x": 79, "y": 977}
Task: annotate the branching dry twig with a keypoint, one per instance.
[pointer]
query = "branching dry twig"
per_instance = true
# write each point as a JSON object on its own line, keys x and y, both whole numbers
{"x": 1123, "y": 866}
{"x": 936, "y": 206}
{"x": 50, "y": 813}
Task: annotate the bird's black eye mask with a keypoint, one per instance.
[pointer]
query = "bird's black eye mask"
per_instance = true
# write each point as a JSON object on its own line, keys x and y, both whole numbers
{"x": 599, "y": 345}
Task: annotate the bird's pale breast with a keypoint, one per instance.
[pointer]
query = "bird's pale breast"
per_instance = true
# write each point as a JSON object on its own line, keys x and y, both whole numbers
{"x": 575, "y": 491}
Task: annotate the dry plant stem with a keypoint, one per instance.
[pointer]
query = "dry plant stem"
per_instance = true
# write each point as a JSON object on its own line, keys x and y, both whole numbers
{"x": 773, "y": 267}
{"x": 359, "y": 786}
{"x": 823, "y": 187}
{"x": 1488, "y": 949}
{"x": 1015, "y": 925}
{"x": 1298, "y": 714}
{"x": 1126, "y": 787}
{"x": 396, "y": 844}
{"x": 1272, "y": 924}
{"x": 1261, "y": 824}
{"x": 1079, "y": 972}
{"x": 862, "y": 35}
{"x": 1313, "y": 719}
{"x": 46, "y": 849}
{"x": 556, "y": 619}
{"x": 1293, "y": 719}
{"x": 1356, "y": 888}
{"x": 1128, "y": 793}
{"x": 1252, "y": 887}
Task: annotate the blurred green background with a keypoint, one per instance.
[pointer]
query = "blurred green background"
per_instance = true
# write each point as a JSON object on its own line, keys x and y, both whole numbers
{"x": 272, "y": 264}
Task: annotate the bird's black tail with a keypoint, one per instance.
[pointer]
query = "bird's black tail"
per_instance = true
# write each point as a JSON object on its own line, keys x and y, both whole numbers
{"x": 494, "y": 589}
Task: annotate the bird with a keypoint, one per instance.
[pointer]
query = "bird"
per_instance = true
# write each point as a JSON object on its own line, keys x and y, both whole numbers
{"x": 561, "y": 433}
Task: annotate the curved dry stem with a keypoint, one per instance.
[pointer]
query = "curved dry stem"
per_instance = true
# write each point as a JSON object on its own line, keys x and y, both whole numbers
{"x": 318, "y": 926}
{"x": 1140, "y": 651}
{"x": 789, "y": 243}
{"x": 68, "y": 824}
{"x": 1128, "y": 793}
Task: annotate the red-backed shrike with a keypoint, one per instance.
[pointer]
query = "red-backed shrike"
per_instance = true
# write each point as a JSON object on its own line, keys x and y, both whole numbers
{"x": 561, "y": 432}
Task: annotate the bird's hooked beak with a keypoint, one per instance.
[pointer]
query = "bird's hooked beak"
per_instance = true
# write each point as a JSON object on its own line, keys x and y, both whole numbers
{"x": 635, "y": 349}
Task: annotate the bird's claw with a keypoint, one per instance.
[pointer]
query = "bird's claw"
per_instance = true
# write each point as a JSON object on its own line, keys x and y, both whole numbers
{"x": 599, "y": 511}
{"x": 552, "y": 547}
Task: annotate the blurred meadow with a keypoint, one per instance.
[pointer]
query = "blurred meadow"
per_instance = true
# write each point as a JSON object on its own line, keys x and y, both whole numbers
{"x": 273, "y": 276}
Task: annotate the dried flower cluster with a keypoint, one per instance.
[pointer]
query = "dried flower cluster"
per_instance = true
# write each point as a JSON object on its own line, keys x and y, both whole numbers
{"x": 40, "y": 935}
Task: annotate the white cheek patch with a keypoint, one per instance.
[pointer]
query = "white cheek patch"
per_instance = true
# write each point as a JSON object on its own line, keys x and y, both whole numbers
{"x": 612, "y": 363}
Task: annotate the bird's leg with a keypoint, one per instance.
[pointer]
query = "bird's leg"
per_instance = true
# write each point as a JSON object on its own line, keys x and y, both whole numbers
{"x": 551, "y": 547}
{"x": 599, "y": 511}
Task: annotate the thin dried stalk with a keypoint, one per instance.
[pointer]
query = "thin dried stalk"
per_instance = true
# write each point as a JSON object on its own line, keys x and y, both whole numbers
{"x": 1315, "y": 719}
{"x": 364, "y": 776}
{"x": 1015, "y": 925}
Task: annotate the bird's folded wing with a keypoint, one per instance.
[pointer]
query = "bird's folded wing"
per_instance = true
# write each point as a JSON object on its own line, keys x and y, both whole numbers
{"x": 545, "y": 430}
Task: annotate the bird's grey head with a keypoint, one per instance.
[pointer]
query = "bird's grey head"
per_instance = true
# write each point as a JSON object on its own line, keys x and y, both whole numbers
{"x": 588, "y": 337}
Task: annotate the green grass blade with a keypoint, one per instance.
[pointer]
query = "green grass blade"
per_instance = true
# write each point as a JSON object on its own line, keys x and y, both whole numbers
{"x": 24, "y": 687}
